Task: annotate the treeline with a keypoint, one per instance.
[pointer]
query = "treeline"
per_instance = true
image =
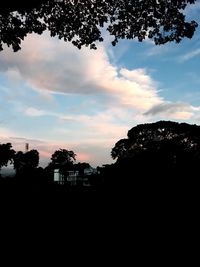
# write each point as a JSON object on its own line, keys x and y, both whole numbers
{"x": 155, "y": 157}
{"x": 29, "y": 176}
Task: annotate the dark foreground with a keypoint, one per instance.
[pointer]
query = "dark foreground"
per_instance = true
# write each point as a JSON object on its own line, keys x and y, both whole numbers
{"x": 138, "y": 209}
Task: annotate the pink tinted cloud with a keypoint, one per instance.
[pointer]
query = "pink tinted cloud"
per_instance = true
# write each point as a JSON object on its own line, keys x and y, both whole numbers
{"x": 80, "y": 72}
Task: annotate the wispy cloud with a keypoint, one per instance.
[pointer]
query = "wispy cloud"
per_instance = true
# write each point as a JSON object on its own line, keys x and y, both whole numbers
{"x": 156, "y": 50}
{"x": 35, "y": 112}
{"x": 189, "y": 55}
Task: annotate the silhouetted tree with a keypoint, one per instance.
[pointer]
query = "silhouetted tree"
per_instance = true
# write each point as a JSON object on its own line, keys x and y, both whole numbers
{"x": 26, "y": 161}
{"x": 63, "y": 159}
{"x": 163, "y": 149}
{"x": 158, "y": 136}
{"x": 28, "y": 177}
{"x": 79, "y": 22}
{"x": 6, "y": 154}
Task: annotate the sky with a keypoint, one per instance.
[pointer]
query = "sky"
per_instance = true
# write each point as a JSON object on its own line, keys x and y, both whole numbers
{"x": 54, "y": 96}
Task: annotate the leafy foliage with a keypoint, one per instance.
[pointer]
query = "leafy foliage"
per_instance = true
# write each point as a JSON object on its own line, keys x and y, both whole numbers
{"x": 79, "y": 22}
{"x": 6, "y": 154}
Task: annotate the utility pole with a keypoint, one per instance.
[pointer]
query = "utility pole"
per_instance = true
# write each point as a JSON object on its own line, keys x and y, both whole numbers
{"x": 26, "y": 147}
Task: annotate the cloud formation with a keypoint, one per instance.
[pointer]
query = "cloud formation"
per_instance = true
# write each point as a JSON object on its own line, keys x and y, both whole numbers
{"x": 179, "y": 111}
{"x": 91, "y": 102}
{"x": 51, "y": 65}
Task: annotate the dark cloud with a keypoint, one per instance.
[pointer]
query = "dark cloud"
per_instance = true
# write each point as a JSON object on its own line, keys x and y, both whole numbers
{"x": 167, "y": 107}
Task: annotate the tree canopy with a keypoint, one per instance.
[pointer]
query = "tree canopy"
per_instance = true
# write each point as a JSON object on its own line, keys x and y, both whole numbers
{"x": 62, "y": 158}
{"x": 172, "y": 141}
{"x": 161, "y": 156}
{"x": 80, "y": 22}
{"x": 28, "y": 160}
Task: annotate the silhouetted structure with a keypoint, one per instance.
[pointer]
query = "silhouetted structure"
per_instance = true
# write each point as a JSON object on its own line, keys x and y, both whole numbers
{"x": 26, "y": 147}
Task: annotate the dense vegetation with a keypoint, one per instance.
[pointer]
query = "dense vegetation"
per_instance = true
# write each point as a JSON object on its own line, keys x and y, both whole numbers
{"x": 80, "y": 22}
{"x": 163, "y": 154}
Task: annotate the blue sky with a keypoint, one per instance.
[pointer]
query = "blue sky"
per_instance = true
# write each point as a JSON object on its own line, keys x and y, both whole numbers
{"x": 53, "y": 95}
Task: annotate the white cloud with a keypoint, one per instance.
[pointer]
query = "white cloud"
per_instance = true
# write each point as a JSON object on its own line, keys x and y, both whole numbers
{"x": 34, "y": 112}
{"x": 138, "y": 76}
{"x": 51, "y": 65}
